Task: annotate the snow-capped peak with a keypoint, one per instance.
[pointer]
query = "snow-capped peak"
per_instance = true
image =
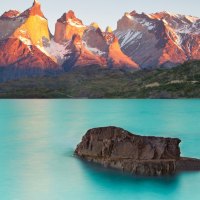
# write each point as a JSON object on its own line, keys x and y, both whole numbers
{"x": 162, "y": 37}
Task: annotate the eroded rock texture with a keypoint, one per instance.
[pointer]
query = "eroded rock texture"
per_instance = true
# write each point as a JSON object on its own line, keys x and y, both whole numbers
{"x": 117, "y": 148}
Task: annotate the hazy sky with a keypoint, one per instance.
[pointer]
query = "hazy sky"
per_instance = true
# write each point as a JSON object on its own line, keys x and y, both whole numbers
{"x": 104, "y": 12}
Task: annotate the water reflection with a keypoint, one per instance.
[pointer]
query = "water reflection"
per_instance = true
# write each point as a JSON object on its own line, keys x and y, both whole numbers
{"x": 118, "y": 177}
{"x": 38, "y": 137}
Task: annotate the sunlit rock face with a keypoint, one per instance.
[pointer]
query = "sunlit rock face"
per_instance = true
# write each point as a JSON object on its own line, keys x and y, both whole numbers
{"x": 95, "y": 47}
{"x": 95, "y": 41}
{"x": 108, "y": 29}
{"x": 30, "y": 26}
{"x": 106, "y": 45}
{"x": 79, "y": 56}
{"x": 34, "y": 10}
{"x": 118, "y": 59}
{"x": 67, "y": 26}
{"x": 17, "y": 60}
{"x": 23, "y": 37}
{"x": 35, "y": 27}
{"x": 74, "y": 45}
{"x": 10, "y": 14}
{"x": 140, "y": 41}
{"x": 160, "y": 39}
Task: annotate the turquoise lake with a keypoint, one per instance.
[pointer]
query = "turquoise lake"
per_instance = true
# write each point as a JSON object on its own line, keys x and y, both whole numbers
{"x": 38, "y": 137}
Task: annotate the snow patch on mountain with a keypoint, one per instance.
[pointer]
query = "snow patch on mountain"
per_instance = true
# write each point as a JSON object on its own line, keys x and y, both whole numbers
{"x": 188, "y": 29}
{"x": 57, "y": 51}
{"x": 147, "y": 24}
{"x": 94, "y": 50}
{"x": 129, "y": 37}
{"x": 25, "y": 40}
{"x": 53, "y": 50}
{"x": 159, "y": 38}
{"x": 75, "y": 23}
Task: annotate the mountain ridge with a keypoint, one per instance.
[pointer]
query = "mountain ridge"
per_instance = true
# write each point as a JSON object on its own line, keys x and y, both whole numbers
{"x": 140, "y": 41}
{"x": 161, "y": 39}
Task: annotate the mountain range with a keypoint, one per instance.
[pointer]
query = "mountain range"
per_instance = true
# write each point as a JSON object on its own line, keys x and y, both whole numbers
{"x": 27, "y": 48}
{"x": 160, "y": 39}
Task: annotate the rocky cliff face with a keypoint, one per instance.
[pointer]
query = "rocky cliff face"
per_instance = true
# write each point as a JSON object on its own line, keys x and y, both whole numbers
{"x": 117, "y": 59}
{"x": 160, "y": 39}
{"x": 79, "y": 56}
{"x": 95, "y": 47}
{"x": 67, "y": 26}
{"x": 117, "y": 148}
{"x": 23, "y": 37}
{"x": 30, "y": 26}
{"x": 21, "y": 55}
{"x": 106, "y": 45}
{"x": 140, "y": 41}
{"x": 26, "y": 61}
{"x": 74, "y": 45}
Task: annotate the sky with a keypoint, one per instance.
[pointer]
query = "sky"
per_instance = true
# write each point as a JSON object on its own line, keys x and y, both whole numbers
{"x": 104, "y": 12}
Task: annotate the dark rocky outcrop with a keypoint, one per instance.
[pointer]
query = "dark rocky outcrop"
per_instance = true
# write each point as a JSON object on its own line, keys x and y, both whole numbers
{"x": 117, "y": 148}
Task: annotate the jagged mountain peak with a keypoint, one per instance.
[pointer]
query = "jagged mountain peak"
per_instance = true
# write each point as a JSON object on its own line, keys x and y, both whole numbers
{"x": 70, "y": 14}
{"x": 10, "y": 14}
{"x": 134, "y": 12}
{"x": 34, "y": 10}
{"x": 147, "y": 39}
{"x": 160, "y": 15}
{"x": 95, "y": 25}
{"x": 176, "y": 21}
{"x": 182, "y": 23}
{"x": 30, "y": 26}
{"x": 70, "y": 18}
{"x": 106, "y": 45}
{"x": 161, "y": 38}
{"x": 164, "y": 15}
{"x": 108, "y": 29}
{"x": 127, "y": 15}
{"x": 134, "y": 15}
{"x": 67, "y": 26}
{"x": 30, "y": 32}
{"x": 131, "y": 14}
{"x": 36, "y": 2}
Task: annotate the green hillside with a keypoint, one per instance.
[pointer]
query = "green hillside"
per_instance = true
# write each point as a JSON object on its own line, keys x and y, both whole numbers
{"x": 180, "y": 82}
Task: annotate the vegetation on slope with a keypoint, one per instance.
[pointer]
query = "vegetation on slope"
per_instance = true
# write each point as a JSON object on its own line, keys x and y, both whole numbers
{"x": 180, "y": 82}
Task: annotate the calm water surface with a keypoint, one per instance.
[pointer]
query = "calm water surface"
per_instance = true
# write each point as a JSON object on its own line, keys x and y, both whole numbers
{"x": 37, "y": 139}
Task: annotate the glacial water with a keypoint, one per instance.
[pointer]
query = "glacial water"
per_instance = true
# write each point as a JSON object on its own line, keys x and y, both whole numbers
{"x": 38, "y": 137}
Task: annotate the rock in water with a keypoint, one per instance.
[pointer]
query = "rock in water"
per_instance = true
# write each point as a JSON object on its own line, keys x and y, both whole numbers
{"x": 150, "y": 156}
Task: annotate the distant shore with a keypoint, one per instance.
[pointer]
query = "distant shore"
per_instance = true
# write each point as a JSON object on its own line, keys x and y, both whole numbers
{"x": 176, "y": 83}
